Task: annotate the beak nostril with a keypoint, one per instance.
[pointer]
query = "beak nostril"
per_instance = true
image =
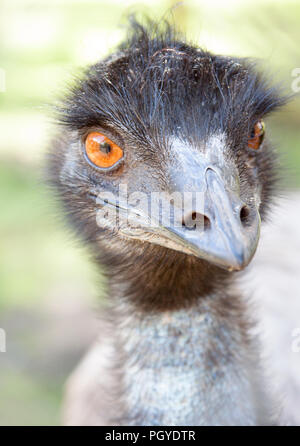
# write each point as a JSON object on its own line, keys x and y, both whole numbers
{"x": 245, "y": 215}
{"x": 206, "y": 222}
{"x": 196, "y": 220}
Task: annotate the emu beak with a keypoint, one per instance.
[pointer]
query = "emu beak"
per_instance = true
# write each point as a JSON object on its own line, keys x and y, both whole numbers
{"x": 225, "y": 233}
{"x": 218, "y": 228}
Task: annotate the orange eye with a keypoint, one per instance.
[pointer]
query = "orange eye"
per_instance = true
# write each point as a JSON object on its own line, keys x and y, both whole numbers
{"x": 257, "y": 135}
{"x": 101, "y": 151}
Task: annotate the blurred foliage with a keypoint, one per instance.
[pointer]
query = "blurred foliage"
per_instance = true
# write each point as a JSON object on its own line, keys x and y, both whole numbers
{"x": 35, "y": 253}
{"x": 28, "y": 402}
{"x": 41, "y": 42}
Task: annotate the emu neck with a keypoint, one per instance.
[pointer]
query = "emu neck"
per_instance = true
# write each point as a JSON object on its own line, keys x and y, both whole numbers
{"x": 191, "y": 365}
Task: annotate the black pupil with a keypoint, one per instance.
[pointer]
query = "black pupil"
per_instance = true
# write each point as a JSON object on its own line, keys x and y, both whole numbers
{"x": 260, "y": 135}
{"x": 105, "y": 147}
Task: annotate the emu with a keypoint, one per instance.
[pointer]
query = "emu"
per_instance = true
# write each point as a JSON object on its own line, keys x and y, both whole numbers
{"x": 162, "y": 115}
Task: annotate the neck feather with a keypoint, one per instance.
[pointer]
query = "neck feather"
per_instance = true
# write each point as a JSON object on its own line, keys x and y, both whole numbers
{"x": 186, "y": 355}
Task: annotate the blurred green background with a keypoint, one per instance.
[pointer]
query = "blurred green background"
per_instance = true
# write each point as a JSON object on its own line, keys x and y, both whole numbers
{"x": 47, "y": 284}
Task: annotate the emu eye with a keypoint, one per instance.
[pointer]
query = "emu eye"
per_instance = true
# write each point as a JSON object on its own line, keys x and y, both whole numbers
{"x": 101, "y": 151}
{"x": 257, "y": 135}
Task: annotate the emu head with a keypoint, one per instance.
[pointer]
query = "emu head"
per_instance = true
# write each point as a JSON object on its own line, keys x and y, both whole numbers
{"x": 163, "y": 147}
